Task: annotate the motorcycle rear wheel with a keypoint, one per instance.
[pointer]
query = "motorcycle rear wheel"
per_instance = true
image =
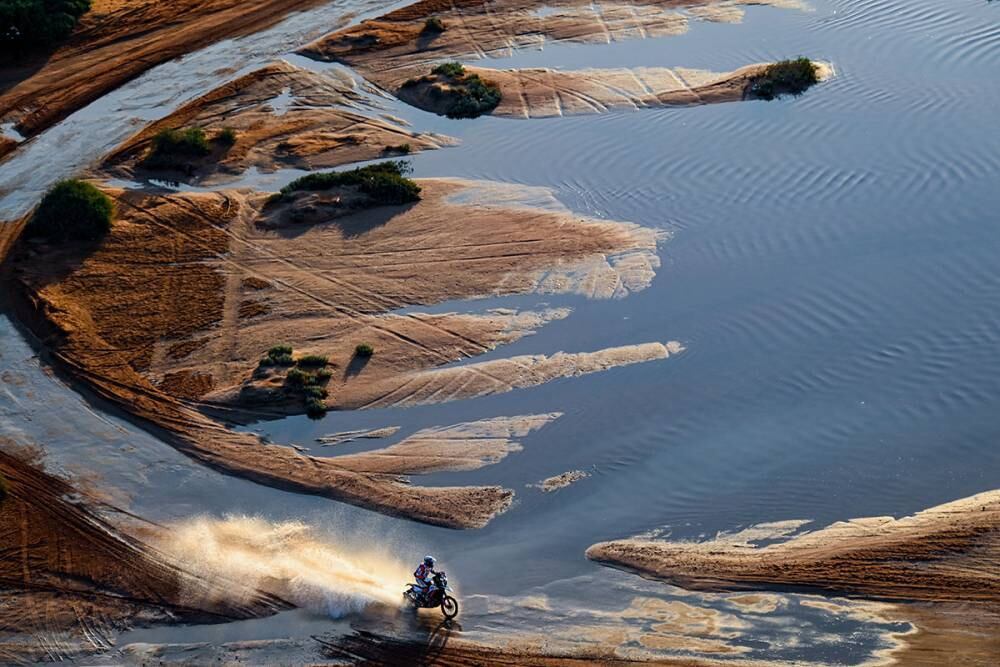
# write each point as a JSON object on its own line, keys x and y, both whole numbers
{"x": 449, "y": 607}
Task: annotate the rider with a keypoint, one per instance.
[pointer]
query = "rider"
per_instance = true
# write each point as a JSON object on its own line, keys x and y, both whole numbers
{"x": 424, "y": 574}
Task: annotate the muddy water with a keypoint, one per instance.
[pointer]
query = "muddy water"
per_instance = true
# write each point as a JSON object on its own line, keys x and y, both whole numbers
{"x": 831, "y": 271}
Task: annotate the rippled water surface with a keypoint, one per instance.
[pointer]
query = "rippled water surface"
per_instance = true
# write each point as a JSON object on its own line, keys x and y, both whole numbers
{"x": 831, "y": 269}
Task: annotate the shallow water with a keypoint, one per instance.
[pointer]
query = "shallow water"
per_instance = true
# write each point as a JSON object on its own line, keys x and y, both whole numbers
{"x": 831, "y": 271}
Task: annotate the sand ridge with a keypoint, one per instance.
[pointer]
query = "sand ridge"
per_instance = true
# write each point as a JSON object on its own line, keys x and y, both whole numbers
{"x": 283, "y": 116}
{"x": 945, "y": 553}
{"x": 66, "y": 570}
{"x": 155, "y": 319}
{"x": 116, "y": 42}
{"x": 394, "y": 49}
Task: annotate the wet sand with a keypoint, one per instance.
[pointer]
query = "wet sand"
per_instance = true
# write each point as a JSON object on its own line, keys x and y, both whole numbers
{"x": 116, "y": 42}
{"x": 283, "y": 117}
{"x": 946, "y": 553}
{"x": 939, "y": 567}
{"x": 155, "y": 319}
{"x": 68, "y": 571}
{"x": 394, "y": 49}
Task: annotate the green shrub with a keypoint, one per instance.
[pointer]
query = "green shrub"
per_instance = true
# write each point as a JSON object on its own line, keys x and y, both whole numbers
{"x": 4, "y": 489}
{"x": 383, "y": 182}
{"x": 405, "y": 149}
{"x": 313, "y": 360}
{"x": 364, "y": 350}
{"x": 315, "y": 392}
{"x": 171, "y": 149}
{"x": 227, "y": 137}
{"x": 475, "y": 98}
{"x": 323, "y": 374}
{"x": 296, "y": 378}
{"x": 279, "y": 355}
{"x": 790, "y": 77}
{"x": 280, "y": 350}
{"x": 72, "y": 210}
{"x": 28, "y": 26}
{"x": 451, "y": 70}
{"x": 315, "y": 408}
{"x": 433, "y": 26}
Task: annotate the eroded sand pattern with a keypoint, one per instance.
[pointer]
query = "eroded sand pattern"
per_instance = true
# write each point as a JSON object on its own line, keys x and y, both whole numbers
{"x": 283, "y": 116}
{"x": 69, "y": 573}
{"x": 395, "y": 48}
{"x": 941, "y": 561}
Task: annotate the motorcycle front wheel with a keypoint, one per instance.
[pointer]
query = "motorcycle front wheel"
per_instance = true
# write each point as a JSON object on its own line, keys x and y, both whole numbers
{"x": 449, "y": 606}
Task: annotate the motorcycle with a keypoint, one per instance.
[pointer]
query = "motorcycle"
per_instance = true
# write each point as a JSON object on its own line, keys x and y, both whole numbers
{"x": 437, "y": 596}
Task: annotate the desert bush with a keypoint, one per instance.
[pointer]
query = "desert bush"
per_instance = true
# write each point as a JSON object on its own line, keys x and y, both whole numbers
{"x": 433, "y": 26}
{"x": 405, "y": 149}
{"x": 279, "y": 355}
{"x": 791, "y": 77}
{"x": 72, "y": 210}
{"x": 313, "y": 360}
{"x": 364, "y": 350}
{"x": 172, "y": 148}
{"x": 29, "y": 26}
{"x": 296, "y": 378}
{"x": 315, "y": 392}
{"x": 451, "y": 70}
{"x": 384, "y": 182}
{"x": 227, "y": 137}
{"x": 473, "y": 99}
{"x": 323, "y": 374}
{"x": 315, "y": 408}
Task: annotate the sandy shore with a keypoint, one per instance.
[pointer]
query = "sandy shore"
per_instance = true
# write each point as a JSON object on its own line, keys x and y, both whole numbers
{"x": 117, "y": 41}
{"x": 169, "y": 316}
{"x": 395, "y": 48}
{"x": 283, "y": 117}
{"x": 66, "y": 571}
{"x": 939, "y": 566}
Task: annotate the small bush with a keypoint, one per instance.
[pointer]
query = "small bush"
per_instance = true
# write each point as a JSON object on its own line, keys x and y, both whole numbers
{"x": 791, "y": 77}
{"x": 450, "y": 70}
{"x": 72, "y": 210}
{"x": 279, "y": 355}
{"x": 433, "y": 26}
{"x": 190, "y": 141}
{"x": 227, "y": 137}
{"x": 296, "y": 378}
{"x": 404, "y": 149}
{"x": 315, "y": 408}
{"x": 313, "y": 360}
{"x": 28, "y": 26}
{"x": 280, "y": 350}
{"x": 323, "y": 374}
{"x": 474, "y": 99}
{"x": 315, "y": 392}
{"x": 364, "y": 350}
{"x": 4, "y": 489}
{"x": 383, "y": 182}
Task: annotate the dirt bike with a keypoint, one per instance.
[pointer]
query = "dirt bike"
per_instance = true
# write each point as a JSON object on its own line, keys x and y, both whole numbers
{"x": 437, "y": 596}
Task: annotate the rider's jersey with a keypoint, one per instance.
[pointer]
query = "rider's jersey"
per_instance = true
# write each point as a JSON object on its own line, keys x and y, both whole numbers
{"x": 423, "y": 573}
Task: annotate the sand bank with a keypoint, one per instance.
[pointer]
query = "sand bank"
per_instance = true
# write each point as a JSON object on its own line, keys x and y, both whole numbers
{"x": 946, "y": 553}
{"x": 938, "y": 567}
{"x": 395, "y": 48}
{"x": 116, "y": 42}
{"x": 189, "y": 290}
{"x": 67, "y": 572}
{"x": 556, "y": 482}
{"x": 283, "y": 116}
{"x": 155, "y": 318}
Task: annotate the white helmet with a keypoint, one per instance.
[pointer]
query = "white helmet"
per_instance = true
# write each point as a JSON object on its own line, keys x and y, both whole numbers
{"x": 429, "y": 561}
